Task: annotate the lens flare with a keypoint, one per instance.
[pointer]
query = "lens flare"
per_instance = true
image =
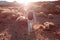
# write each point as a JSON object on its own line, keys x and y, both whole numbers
{"x": 26, "y": 2}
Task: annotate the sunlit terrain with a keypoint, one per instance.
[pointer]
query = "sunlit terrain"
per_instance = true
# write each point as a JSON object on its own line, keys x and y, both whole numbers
{"x": 30, "y": 20}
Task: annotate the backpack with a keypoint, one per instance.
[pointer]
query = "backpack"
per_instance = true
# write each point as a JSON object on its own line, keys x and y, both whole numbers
{"x": 30, "y": 16}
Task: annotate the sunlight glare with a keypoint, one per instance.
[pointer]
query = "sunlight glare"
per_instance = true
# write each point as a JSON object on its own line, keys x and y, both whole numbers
{"x": 26, "y": 2}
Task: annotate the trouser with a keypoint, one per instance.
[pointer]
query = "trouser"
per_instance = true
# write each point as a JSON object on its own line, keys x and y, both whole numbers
{"x": 29, "y": 25}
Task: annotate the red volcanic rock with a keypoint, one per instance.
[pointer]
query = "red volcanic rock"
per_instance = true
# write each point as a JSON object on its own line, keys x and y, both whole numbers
{"x": 16, "y": 26}
{"x": 50, "y": 16}
{"x": 49, "y": 25}
{"x": 42, "y": 14}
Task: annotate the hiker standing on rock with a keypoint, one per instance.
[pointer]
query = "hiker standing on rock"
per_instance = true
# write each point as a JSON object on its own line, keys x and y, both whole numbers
{"x": 31, "y": 17}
